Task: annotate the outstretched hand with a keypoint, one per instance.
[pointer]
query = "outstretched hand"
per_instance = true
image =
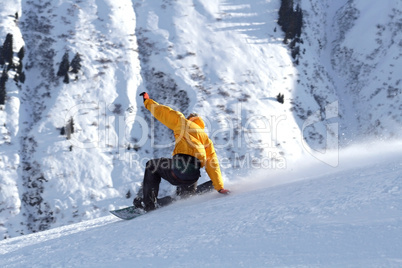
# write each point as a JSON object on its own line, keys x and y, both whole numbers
{"x": 224, "y": 191}
{"x": 144, "y": 95}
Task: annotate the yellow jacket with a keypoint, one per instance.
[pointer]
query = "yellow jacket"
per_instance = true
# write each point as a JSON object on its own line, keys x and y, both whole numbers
{"x": 191, "y": 138}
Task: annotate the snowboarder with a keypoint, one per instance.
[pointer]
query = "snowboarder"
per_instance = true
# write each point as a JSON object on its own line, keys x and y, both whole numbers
{"x": 193, "y": 150}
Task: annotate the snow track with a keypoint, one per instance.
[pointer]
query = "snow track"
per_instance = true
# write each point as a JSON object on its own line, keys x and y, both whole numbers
{"x": 345, "y": 217}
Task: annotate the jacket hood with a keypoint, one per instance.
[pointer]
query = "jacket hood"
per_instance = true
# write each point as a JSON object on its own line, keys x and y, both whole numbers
{"x": 198, "y": 120}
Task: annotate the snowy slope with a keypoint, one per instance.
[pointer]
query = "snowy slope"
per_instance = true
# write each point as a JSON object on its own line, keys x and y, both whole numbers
{"x": 349, "y": 216}
{"x": 60, "y": 181}
{"x": 222, "y": 59}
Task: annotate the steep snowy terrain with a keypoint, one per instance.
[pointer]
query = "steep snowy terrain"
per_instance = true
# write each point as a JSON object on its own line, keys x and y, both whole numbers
{"x": 351, "y": 53}
{"x": 345, "y": 217}
{"x": 225, "y": 60}
{"x": 58, "y": 181}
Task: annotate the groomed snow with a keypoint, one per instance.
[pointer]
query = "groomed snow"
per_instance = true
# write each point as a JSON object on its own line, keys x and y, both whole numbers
{"x": 349, "y": 216}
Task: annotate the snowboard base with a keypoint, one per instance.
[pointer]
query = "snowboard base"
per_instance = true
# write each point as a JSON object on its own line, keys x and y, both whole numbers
{"x": 128, "y": 213}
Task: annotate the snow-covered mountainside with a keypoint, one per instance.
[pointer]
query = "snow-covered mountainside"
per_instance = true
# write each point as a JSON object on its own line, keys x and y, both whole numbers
{"x": 74, "y": 136}
{"x": 351, "y": 54}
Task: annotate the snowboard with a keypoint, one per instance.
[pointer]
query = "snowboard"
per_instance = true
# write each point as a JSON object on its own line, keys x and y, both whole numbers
{"x": 132, "y": 212}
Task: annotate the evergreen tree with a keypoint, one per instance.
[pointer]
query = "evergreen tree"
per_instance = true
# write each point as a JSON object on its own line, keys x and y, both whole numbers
{"x": 22, "y": 77}
{"x": 76, "y": 64}
{"x": 290, "y": 19}
{"x": 66, "y": 79}
{"x": 21, "y": 53}
{"x": 8, "y": 49}
{"x": 20, "y": 74}
{"x": 18, "y": 68}
{"x": 2, "y": 61}
{"x": 70, "y": 128}
{"x": 280, "y": 98}
{"x": 3, "y": 80}
{"x": 64, "y": 66}
{"x": 71, "y": 125}
{"x": 2, "y": 94}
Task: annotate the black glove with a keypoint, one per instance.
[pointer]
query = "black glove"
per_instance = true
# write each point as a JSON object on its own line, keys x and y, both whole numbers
{"x": 145, "y": 95}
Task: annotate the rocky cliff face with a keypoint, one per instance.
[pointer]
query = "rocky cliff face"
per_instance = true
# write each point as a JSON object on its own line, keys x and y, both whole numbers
{"x": 356, "y": 56}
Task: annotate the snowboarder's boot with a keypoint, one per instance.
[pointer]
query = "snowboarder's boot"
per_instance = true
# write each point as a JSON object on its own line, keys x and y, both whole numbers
{"x": 185, "y": 191}
{"x": 164, "y": 201}
{"x": 137, "y": 202}
{"x": 150, "y": 202}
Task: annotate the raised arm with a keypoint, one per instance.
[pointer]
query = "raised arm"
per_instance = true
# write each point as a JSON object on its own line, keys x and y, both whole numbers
{"x": 164, "y": 114}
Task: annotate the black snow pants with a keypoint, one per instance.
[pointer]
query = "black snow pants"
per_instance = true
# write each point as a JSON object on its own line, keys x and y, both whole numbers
{"x": 182, "y": 171}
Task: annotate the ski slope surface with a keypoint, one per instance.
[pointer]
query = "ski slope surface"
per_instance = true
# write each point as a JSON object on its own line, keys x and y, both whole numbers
{"x": 311, "y": 215}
